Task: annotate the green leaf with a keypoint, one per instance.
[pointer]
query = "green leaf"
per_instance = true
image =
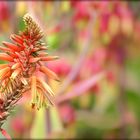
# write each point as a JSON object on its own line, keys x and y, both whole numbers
{"x": 21, "y": 24}
{"x": 133, "y": 100}
{"x": 53, "y": 41}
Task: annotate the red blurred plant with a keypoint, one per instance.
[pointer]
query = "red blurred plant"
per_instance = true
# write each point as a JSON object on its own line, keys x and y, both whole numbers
{"x": 80, "y": 12}
{"x": 67, "y": 113}
{"x": 61, "y": 71}
{"x": 4, "y": 7}
{"x": 4, "y": 15}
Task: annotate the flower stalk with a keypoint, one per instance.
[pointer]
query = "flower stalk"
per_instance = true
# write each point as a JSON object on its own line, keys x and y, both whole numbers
{"x": 26, "y": 70}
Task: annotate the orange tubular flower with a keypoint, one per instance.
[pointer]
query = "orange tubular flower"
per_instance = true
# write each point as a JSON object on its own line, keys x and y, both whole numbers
{"x": 27, "y": 60}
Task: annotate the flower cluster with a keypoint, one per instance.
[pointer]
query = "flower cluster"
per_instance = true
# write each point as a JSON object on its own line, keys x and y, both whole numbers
{"x": 26, "y": 65}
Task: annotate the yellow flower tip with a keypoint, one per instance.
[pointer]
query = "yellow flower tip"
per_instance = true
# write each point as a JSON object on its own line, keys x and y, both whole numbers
{"x": 49, "y": 73}
{"x": 33, "y": 88}
{"x": 24, "y": 81}
{"x": 4, "y": 71}
{"x": 49, "y": 58}
{"x": 4, "y": 76}
{"x": 27, "y": 15}
{"x": 43, "y": 48}
{"x": 56, "y": 57}
{"x": 34, "y": 60}
{"x": 43, "y": 54}
{"x": 33, "y": 83}
{"x": 15, "y": 73}
{"x": 46, "y": 86}
{"x": 15, "y": 66}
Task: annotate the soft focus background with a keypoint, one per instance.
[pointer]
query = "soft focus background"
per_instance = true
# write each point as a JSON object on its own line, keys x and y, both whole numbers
{"x": 99, "y": 48}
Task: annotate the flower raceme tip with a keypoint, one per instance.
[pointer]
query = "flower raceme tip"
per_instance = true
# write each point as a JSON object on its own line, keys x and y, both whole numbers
{"x": 27, "y": 58}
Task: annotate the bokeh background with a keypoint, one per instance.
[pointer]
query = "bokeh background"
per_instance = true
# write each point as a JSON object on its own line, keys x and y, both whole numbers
{"x": 98, "y": 43}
